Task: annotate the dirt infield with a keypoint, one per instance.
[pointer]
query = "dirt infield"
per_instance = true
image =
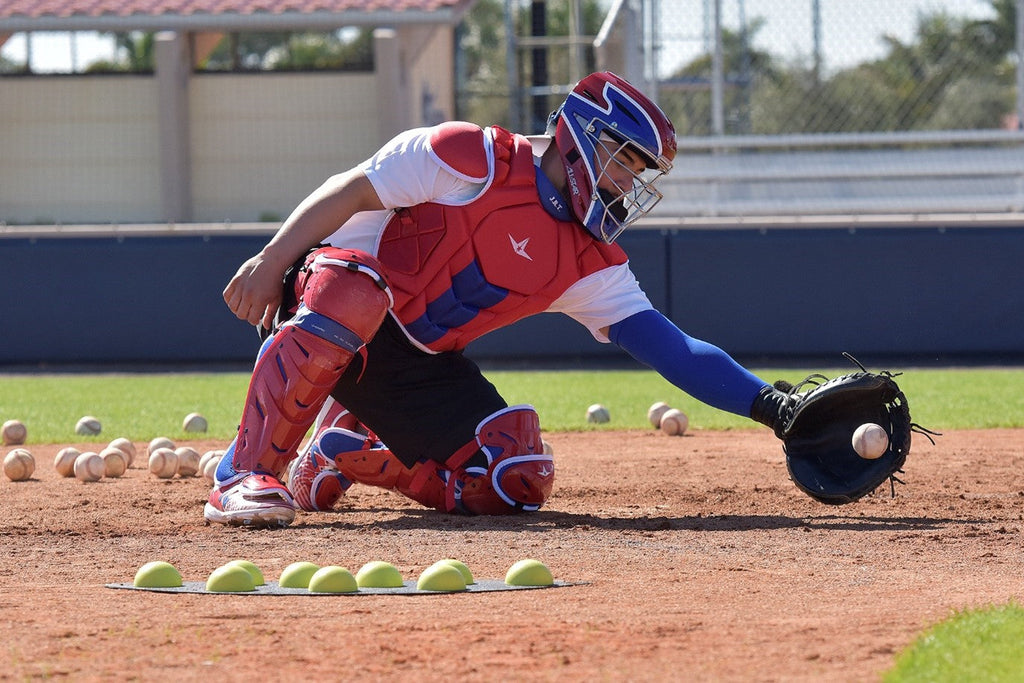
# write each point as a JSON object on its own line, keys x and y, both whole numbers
{"x": 704, "y": 563}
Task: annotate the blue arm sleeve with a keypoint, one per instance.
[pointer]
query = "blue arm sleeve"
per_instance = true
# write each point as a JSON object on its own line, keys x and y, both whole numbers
{"x": 700, "y": 369}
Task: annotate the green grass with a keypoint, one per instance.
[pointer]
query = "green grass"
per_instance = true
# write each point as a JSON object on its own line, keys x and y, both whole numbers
{"x": 939, "y": 399}
{"x": 136, "y": 406}
{"x": 142, "y": 406}
{"x": 976, "y": 645}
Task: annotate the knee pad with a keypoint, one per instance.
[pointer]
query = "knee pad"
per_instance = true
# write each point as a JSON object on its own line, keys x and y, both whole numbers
{"x": 518, "y": 476}
{"x": 348, "y": 288}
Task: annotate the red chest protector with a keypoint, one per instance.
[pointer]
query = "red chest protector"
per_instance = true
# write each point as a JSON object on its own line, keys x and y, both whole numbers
{"x": 458, "y": 272}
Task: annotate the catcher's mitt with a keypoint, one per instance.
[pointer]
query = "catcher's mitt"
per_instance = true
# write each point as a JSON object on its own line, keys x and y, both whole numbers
{"x": 817, "y": 436}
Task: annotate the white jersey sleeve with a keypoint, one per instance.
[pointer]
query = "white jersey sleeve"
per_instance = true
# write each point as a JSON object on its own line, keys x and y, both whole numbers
{"x": 602, "y": 299}
{"x": 404, "y": 172}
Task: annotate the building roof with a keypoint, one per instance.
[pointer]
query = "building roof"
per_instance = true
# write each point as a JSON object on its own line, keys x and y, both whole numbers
{"x": 220, "y": 15}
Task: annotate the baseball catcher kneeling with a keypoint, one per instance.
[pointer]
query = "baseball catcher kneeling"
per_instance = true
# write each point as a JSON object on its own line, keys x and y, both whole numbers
{"x": 375, "y": 284}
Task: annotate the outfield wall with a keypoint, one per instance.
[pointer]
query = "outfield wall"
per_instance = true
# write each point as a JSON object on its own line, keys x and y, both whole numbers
{"x": 932, "y": 291}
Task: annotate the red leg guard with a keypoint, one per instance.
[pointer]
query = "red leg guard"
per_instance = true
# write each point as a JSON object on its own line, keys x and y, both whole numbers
{"x": 518, "y": 477}
{"x": 424, "y": 482}
{"x": 291, "y": 380}
{"x": 342, "y": 305}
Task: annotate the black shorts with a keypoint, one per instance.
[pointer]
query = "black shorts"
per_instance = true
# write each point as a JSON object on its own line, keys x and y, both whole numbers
{"x": 422, "y": 406}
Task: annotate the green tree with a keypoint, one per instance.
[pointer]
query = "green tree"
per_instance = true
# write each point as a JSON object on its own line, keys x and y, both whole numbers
{"x": 483, "y": 95}
{"x": 686, "y": 98}
{"x": 135, "y": 53}
{"x": 345, "y": 49}
{"x": 954, "y": 74}
{"x": 322, "y": 51}
{"x": 9, "y": 66}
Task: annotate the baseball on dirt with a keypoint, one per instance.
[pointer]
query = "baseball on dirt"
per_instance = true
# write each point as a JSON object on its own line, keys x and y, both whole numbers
{"x": 89, "y": 467}
{"x": 125, "y": 446}
{"x": 163, "y": 463}
{"x": 208, "y": 464}
{"x": 115, "y": 462}
{"x": 13, "y": 433}
{"x": 188, "y": 461}
{"x": 88, "y": 426}
{"x": 655, "y": 412}
{"x": 194, "y": 422}
{"x": 597, "y": 413}
{"x": 19, "y": 465}
{"x": 870, "y": 441}
{"x": 64, "y": 462}
{"x": 674, "y": 422}
{"x": 159, "y": 442}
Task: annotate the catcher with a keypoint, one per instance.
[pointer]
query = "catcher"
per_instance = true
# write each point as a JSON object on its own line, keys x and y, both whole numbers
{"x": 390, "y": 269}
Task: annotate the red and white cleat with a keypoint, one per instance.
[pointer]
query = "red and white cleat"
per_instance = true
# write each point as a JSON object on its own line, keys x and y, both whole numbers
{"x": 313, "y": 480}
{"x": 257, "y": 501}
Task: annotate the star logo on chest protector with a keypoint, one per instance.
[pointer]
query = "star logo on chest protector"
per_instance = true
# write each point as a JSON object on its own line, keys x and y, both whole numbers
{"x": 520, "y": 247}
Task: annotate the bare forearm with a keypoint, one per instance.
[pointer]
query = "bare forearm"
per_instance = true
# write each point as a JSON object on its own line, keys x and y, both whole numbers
{"x": 254, "y": 293}
{"x": 319, "y": 215}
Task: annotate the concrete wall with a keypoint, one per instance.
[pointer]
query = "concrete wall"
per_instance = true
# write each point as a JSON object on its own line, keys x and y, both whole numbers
{"x": 81, "y": 149}
{"x": 937, "y": 293}
{"x": 262, "y": 142}
{"x": 86, "y": 149}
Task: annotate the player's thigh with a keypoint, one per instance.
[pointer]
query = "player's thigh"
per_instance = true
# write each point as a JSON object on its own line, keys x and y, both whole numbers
{"x": 422, "y": 406}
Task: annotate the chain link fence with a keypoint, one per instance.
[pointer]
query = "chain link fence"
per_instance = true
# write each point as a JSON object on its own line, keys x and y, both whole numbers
{"x": 769, "y": 67}
{"x": 787, "y": 107}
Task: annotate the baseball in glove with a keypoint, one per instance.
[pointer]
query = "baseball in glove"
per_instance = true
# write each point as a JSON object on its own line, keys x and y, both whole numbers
{"x": 816, "y": 420}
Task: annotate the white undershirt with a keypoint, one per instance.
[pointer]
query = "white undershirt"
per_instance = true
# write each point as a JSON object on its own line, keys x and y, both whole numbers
{"x": 404, "y": 173}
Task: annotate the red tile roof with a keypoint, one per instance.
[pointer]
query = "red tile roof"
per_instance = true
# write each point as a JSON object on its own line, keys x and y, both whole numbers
{"x": 15, "y": 14}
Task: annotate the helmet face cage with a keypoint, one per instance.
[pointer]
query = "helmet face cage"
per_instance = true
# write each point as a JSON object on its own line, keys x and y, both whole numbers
{"x": 602, "y": 117}
{"x": 615, "y": 210}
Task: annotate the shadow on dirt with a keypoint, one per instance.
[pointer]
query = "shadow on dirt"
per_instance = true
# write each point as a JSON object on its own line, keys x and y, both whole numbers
{"x": 549, "y": 520}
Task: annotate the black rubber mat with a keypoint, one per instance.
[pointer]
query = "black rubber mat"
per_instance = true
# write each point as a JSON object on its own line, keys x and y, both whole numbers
{"x": 408, "y": 588}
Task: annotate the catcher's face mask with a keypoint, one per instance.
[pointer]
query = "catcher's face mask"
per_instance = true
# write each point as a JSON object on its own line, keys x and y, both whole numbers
{"x": 614, "y": 143}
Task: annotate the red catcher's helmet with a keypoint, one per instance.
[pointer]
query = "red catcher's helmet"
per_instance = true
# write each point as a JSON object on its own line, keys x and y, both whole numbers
{"x": 605, "y": 112}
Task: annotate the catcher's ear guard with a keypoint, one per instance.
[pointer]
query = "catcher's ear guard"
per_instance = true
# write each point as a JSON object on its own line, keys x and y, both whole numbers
{"x": 818, "y": 437}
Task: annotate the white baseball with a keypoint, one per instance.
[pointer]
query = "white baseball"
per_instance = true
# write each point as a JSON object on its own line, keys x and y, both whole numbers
{"x": 115, "y": 462}
{"x": 674, "y": 422}
{"x": 64, "y": 462}
{"x": 163, "y": 463}
{"x": 655, "y": 412}
{"x": 188, "y": 461}
{"x": 88, "y": 426}
{"x": 125, "y": 446}
{"x": 870, "y": 441}
{"x": 547, "y": 448}
{"x": 598, "y": 413}
{"x": 19, "y": 465}
{"x": 159, "y": 442}
{"x": 194, "y": 422}
{"x": 13, "y": 433}
{"x": 89, "y": 467}
{"x": 210, "y": 466}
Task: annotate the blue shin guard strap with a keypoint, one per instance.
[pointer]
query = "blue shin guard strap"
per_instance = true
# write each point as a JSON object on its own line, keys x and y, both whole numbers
{"x": 700, "y": 369}
{"x": 327, "y": 329}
